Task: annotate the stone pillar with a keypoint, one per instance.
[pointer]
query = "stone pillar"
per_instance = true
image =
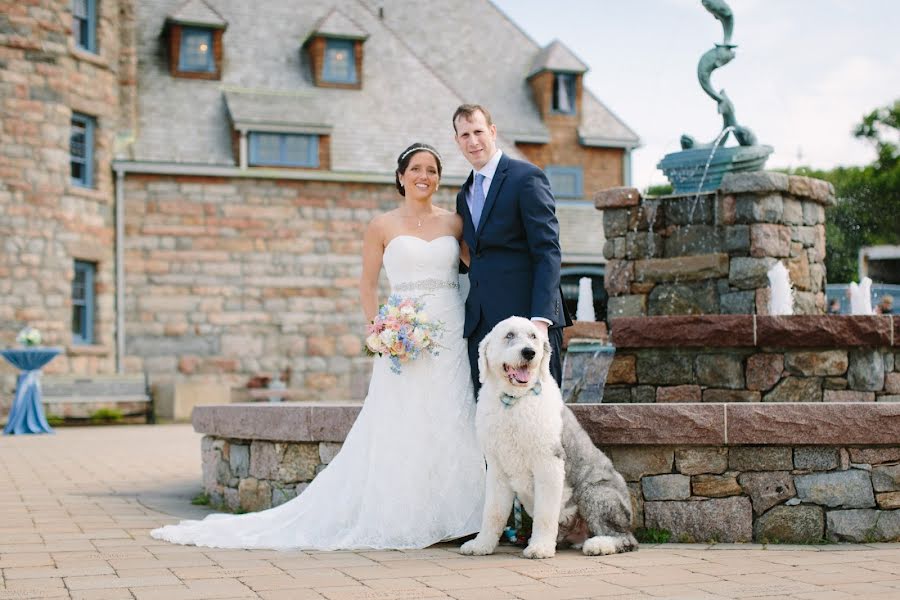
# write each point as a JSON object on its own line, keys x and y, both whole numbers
{"x": 709, "y": 253}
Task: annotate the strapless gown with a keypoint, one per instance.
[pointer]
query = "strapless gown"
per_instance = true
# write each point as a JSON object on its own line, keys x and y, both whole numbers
{"x": 410, "y": 473}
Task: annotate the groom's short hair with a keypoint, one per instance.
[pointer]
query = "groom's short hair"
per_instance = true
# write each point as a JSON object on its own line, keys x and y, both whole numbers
{"x": 467, "y": 110}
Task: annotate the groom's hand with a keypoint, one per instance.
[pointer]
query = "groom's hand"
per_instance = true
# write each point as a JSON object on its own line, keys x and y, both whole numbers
{"x": 542, "y": 325}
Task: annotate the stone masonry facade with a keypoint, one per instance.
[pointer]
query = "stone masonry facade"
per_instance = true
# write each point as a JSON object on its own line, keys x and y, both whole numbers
{"x": 231, "y": 279}
{"x": 47, "y": 221}
{"x": 227, "y": 279}
{"x": 710, "y": 253}
{"x": 774, "y": 494}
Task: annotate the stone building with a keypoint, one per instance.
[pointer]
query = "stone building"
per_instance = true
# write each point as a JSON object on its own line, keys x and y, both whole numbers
{"x": 184, "y": 184}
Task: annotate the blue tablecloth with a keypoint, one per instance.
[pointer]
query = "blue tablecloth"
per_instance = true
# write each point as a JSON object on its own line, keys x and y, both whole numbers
{"x": 27, "y": 414}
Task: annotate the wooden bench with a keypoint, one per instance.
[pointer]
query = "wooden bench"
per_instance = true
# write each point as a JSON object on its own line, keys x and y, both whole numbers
{"x": 81, "y": 395}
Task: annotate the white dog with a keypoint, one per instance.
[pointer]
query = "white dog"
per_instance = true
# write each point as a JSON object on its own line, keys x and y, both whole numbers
{"x": 536, "y": 450}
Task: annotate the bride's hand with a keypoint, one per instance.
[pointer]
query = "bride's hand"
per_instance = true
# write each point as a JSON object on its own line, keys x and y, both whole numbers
{"x": 464, "y": 253}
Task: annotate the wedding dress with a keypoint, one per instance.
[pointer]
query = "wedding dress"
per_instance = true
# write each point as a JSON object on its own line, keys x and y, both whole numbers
{"x": 410, "y": 473}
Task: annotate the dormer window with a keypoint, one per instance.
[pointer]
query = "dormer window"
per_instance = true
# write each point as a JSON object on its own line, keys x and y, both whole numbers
{"x": 194, "y": 33}
{"x": 340, "y": 61}
{"x": 283, "y": 150}
{"x": 335, "y": 50}
{"x": 196, "y": 50}
{"x": 278, "y": 129}
{"x": 555, "y": 78}
{"x": 564, "y": 93}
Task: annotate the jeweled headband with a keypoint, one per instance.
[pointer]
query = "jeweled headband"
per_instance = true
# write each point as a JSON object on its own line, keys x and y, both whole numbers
{"x": 419, "y": 149}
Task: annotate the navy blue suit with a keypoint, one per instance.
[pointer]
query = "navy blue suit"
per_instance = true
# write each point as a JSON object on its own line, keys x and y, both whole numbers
{"x": 515, "y": 257}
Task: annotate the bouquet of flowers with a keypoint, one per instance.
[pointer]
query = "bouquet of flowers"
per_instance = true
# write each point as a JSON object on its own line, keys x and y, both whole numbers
{"x": 29, "y": 336}
{"x": 402, "y": 331}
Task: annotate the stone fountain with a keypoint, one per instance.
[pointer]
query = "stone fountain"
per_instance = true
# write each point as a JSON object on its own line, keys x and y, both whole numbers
{"x": 803, "y": 401}
{"x": 699, "y": 167}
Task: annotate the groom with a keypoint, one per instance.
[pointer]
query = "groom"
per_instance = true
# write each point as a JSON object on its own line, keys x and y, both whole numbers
{"x": 510, "y": 227}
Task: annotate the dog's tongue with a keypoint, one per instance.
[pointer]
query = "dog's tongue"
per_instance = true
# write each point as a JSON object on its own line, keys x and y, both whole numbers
{"x": 521, "y": 373}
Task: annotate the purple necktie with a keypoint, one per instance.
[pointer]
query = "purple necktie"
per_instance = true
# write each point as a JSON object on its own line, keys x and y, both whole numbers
{"x": 477, "y": 199}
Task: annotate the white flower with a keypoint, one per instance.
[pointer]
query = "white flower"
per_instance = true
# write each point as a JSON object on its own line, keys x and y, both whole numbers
{"x": 29, "y": 336}
{"x": 372, "y": 343}
{"x": 407, "y": 311}
{"x": 387, "y": 337}
{"x": 418, "y": 336}
{"x": 422, "y": 317}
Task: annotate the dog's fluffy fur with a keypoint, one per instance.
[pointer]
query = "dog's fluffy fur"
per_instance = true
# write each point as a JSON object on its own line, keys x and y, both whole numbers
{"x": 536, "y": 450}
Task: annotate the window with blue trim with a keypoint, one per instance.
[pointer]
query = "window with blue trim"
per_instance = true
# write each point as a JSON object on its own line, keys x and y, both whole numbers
{"x": 340, "y": 61}
{"x": 284, "y": 150}
{"x": 84, "y": 26}
{"x": 83, "y": 302}
{"x": 195, "y": 54}
{"x": 81, "y": 150}
{"x": 564, "y": 93}
{"x": 566, "y": 182}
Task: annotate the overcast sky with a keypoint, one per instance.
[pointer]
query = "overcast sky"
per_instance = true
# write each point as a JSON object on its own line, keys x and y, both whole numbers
{"x": 805, "y": 73}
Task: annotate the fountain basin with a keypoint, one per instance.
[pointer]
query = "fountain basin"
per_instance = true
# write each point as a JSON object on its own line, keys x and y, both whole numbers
{"x": 754, "y": 358}
{"x": 702, "y": 169}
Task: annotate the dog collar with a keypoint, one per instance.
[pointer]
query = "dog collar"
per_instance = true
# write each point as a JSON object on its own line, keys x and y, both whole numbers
{"x": 508, "y": 401}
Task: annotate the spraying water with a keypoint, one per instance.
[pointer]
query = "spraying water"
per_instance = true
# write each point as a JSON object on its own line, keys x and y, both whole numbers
{"x": 861, "y": 297}
{"x": 723, "y": 135}
{"x": 585, "y": 309}
{"x": 781, "y": 299}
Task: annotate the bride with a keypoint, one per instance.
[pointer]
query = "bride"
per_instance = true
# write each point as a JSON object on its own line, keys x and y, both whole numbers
{"x": 410, "y": 473}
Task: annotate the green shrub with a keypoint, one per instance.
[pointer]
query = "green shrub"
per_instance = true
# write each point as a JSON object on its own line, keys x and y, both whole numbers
{"x": 106, "y": 415}
{"x": 649, "y": 535}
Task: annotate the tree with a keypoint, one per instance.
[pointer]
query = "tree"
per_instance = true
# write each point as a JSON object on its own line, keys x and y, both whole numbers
{"x": 868, "y": 206}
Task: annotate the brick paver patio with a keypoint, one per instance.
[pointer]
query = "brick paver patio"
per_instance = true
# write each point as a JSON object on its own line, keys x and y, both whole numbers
{"x": 76, "y": 508}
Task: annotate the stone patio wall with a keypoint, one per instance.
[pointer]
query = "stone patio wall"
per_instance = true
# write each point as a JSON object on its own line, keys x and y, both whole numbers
{"x": 773, "y": 472}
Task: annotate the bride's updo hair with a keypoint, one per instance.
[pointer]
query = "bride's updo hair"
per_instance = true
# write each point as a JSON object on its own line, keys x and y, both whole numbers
{"x": 406, "y": 156}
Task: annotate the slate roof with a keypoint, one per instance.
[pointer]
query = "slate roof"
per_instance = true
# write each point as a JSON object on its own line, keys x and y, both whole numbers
{"x": 420, "y": 62}
{"x": 555, "y": 56}
{"x": 294, "y": 112}
{"x": 487, "y": 58}
{"x": 197, "y": 12}
{"x": 337, "y": 24}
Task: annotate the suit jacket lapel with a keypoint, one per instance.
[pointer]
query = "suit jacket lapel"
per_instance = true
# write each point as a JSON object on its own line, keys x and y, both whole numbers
{"x": 464, "y": 204}
{"x": 496, "y": 184}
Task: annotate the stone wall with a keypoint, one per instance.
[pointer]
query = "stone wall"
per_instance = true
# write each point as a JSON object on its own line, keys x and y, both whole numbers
{"x": 695, "y": 471}
{"x": 709, "y": 253}
{"x": 46, "y": 222}
{"x": 230, "y": 279}
{"x": 775, "y": 494}
{"x": 753, "y": 358}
